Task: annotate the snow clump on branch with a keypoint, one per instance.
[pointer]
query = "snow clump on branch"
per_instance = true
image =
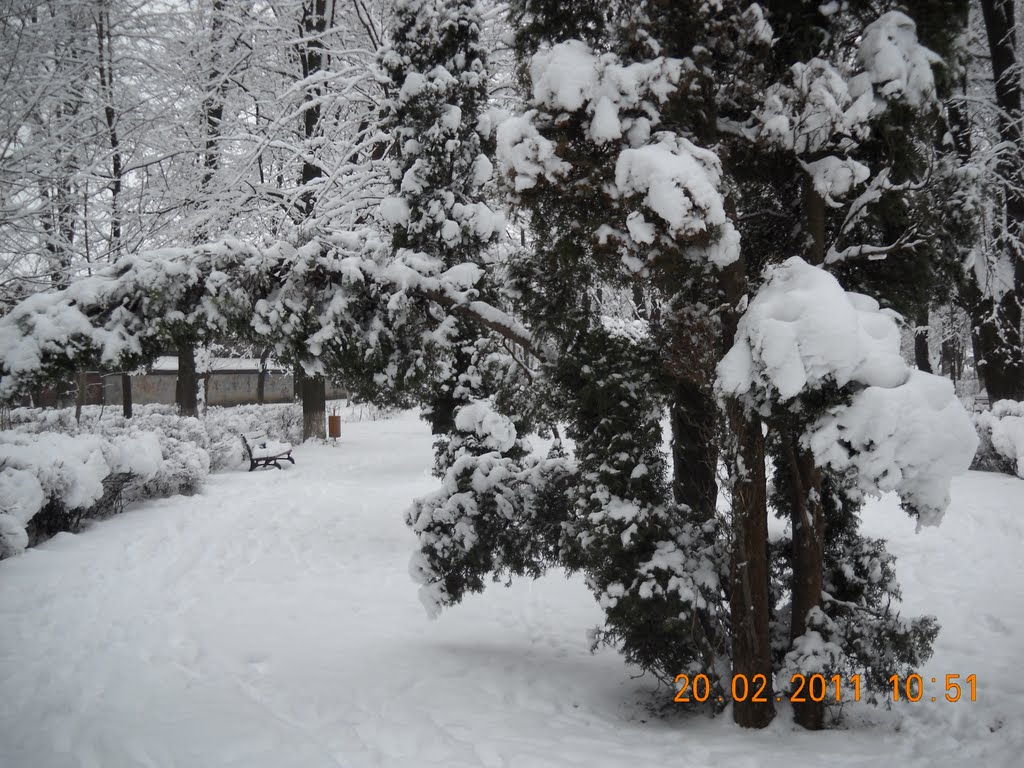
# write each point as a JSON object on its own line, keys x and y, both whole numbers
{"x": 911, "y": 439}
{"x": 898, "y": 430}
{"x": 802, "y": 329}
{"x": 895, "y": 62}
{"x": 570, "y": 76}
{"x": 822, "y": 106}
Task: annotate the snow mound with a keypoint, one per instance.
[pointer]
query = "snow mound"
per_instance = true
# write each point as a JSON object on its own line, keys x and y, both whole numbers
{"x": 911, "y": 439}
{"x": 802, "y": 330}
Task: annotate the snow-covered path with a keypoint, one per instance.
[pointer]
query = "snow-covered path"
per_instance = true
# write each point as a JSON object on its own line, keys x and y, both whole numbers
{"x": 271, "y": 622}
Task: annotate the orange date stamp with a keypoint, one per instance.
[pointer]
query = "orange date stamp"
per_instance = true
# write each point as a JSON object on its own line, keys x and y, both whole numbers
{"x": 818, "y": 688}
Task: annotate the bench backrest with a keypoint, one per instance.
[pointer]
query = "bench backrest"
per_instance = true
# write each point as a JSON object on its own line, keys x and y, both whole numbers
{"x": 253, "y": 440}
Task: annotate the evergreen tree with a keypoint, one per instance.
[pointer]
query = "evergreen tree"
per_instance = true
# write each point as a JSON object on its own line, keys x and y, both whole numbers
{"x": 617, "y": 208}
{"x": 441, "y": 224}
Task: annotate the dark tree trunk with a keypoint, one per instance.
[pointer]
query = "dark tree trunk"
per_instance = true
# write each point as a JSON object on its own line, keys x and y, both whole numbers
{"x": 808, "y": 523}
{"x": 814, "y": 211}
{"x": 993, "y": 357}
{"x": 261, "y": 378}
{"x": 751, "y": 652}
{"x": 997, "y": 355}
{"x": 317, "y": 16}
{"x": 442, "y": 402}
{"x": 693, "y": 416}
{"x": 314, "y": 408}
{"x": 749, "y": 593}
{"x": 126, "y": 395}
{"x": 1002, "y": 365}
{"x": 921, "y": 358}
{"x": 105, "y": 72}
{"x": 313, "y": 58}
{"x": 213, "y": 101}
{"x": 440, "y": 410}
{"x": 185, "y": 391}
{"x": 951, "y": 359}
{"x": 987, "y": 362}
{"x": 947, "y": 360}
{"x": 298, "y": 381}
{"x": 204, "y": 384}
{"x": 805, "y": 511}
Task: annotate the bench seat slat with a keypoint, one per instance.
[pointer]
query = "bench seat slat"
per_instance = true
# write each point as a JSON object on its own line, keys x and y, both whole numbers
{"x": 271, "y": 449}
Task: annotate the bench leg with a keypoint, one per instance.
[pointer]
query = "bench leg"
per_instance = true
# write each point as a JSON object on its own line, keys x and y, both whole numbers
{"x": 252, "y": 465}
{"x": 290, "y": 459}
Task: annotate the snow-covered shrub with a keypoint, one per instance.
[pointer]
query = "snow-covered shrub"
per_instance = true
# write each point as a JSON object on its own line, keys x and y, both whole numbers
{"x": 186, "y": 449}
{"x": 63, "y": 419}
{"x": 65, "y": 473}
{"x": 216, "y": 433}
{"x": 492, "y": 518}
{"x": 184, "y": 445}
{"x": 1001, "y": 438}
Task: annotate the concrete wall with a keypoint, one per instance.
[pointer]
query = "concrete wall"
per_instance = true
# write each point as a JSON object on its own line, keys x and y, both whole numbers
{"x": 240, "y": 388}
{"x": 224, "y": 388}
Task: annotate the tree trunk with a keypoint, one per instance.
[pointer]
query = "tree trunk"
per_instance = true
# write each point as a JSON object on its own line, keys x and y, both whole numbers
{"x": 749, "y": 592}
{"x": 806, "y": 514}
{"x": 921, "y": 358}
{"x": 82, "y": 384}
{"x": 1003, "y": 364}
{"x": 298, "y": 380}
{"x": 994, "y": 357}
{"x": 751, "y": 651}
{"x": 988, "y": 364}
{"x": 317, "y": 17}
{"x": 808, "y": 524}
{"x": 814, "y": 212}
{"x": 693, "y": 415}
{"x": 313, "y": 57}
{"x": 185, "y": 391}
{"x": 261, "y": 378}
{"x": 126, "y": 395}
{"x": 999, "y": 364}
{"x": 314, "y": 408}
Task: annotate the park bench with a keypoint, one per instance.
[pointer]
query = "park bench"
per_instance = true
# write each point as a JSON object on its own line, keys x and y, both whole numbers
{"x": 264, "y": 452}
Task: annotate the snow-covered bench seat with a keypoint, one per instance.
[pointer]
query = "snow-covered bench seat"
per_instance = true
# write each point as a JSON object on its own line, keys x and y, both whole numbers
{"x": 264, "y": 452}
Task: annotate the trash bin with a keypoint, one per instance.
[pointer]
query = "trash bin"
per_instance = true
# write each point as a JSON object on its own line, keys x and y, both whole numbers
{"x": 334, "y": 426}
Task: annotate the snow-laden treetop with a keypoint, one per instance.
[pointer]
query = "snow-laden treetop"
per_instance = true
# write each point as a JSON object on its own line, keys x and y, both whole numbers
{"x": 899, "y": 430}
{"x": 669, "y": 188}
{"x": 802, "y": 329}
{"x": 822, "y": 106}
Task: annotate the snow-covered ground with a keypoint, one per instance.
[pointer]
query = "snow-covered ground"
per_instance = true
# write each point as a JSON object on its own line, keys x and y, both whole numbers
{"x": 271, "y": 622}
